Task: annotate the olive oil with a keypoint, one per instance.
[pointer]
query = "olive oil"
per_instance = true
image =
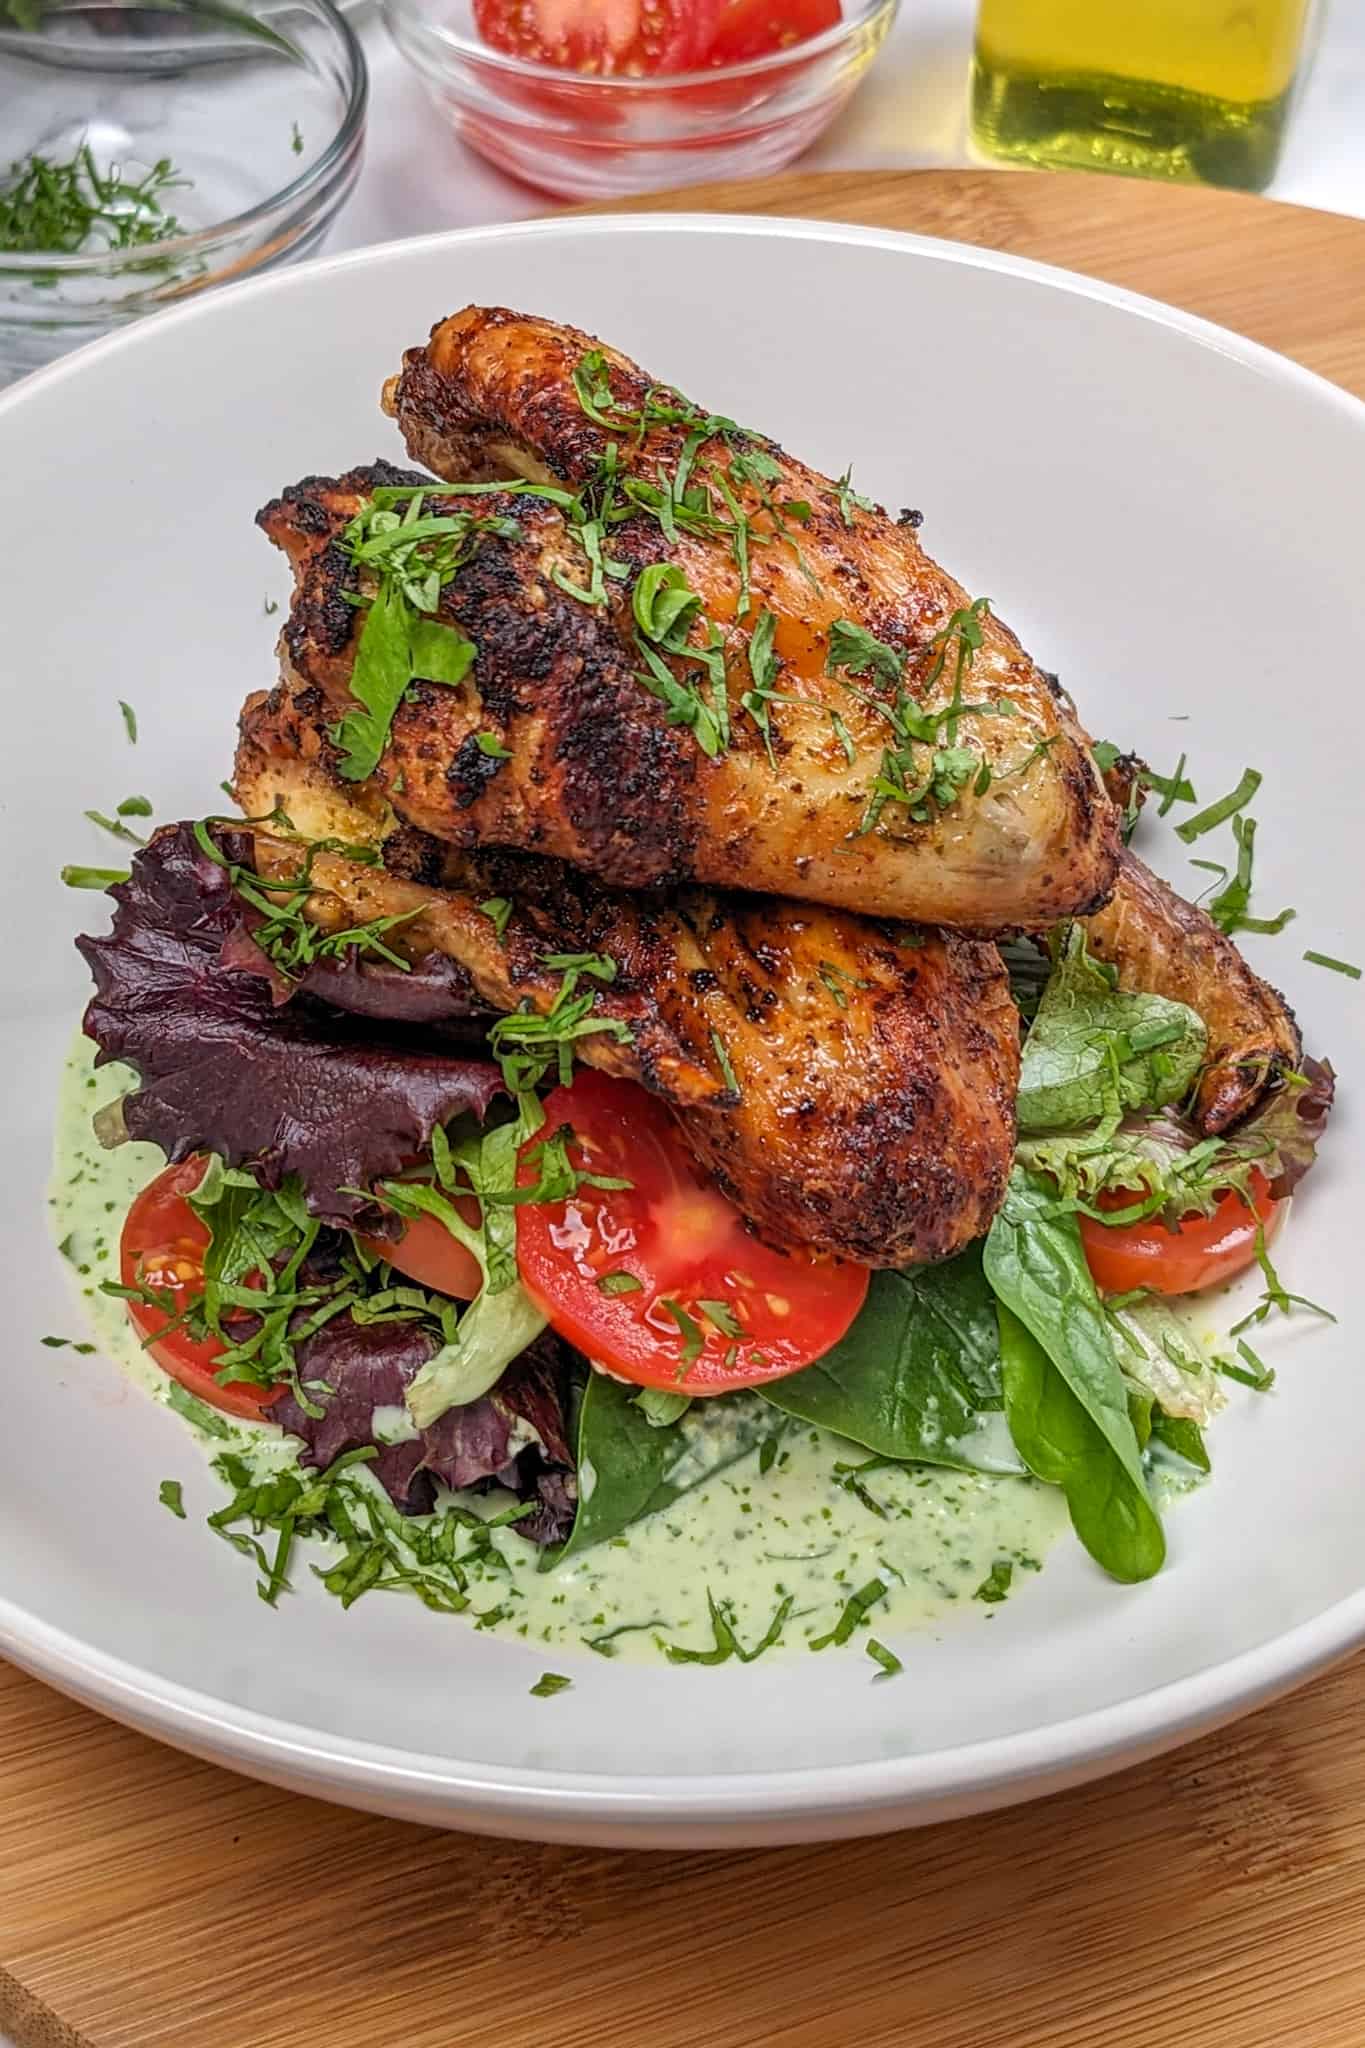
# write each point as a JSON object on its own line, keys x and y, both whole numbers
{"x": 1193, "y": 91}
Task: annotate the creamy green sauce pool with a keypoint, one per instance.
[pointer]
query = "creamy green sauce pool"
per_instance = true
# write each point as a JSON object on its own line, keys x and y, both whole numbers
{"x": 751, "y": 1538}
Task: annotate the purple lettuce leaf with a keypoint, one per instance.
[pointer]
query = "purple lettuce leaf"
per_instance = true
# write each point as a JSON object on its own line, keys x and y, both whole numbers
{"x": 370, "y": 1365}
{"x": 1292, "y": 1123}
{"x": 279, "y": 1088}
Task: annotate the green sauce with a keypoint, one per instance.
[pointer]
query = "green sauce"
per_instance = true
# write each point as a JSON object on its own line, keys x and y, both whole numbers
{"x": 748, "y": 1538}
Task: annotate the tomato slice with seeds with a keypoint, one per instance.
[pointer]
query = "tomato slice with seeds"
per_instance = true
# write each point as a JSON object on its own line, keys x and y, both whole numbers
{"x": 661, "y": 1282}
{"x": 755, "y": 28}
{"x": 162, "y": 1247}
{"x": 602, "y": 38}
{"x": 1202, "y": 1251}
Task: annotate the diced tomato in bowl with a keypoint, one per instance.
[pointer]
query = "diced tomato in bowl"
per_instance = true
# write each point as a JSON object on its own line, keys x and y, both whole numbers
{"x": 601, "y": 98}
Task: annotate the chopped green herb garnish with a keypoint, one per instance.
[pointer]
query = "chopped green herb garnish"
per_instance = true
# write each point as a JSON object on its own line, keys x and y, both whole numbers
{"x": 856, "y": 1608}
{"x": 115, "y": 828}
{"x": 168, "y": 1493}
{"x": 411, "y": 558}
{"x": 499, "y": 910}
{"x": 295, "y": 138}
{"x": 72, "y": 206}
{"x": 129, "y": 721}
{"x": 488, "y": 743}
{"x": 765, "y": 668}
{"x": 1230, "y": 907}
{"x": 836, "y": 980}
{"x": 528, "y": 1042}
{"x": 93, "y": 878}
{"x": 726, "y": 1643}
{"x": 848, "y": 498}
{"x": 844, "y": 737}
{"x": 996, "y": 1584}
{"x": 619, "y": 1283}
{"x": 1226, "y": 807}
{"x": 1336, "y": 966}
{"x": 690, "y": 1329}
{"x": 67, "y": 1344}
{"x": 889, "y": 1661}
{"x": 723, "y": 1061}
{"x": 605, "y": 1644}
{"x": 1172, "y": 789}
{"x": 721, "y": 1317}
{"x": 548, "y": 1684}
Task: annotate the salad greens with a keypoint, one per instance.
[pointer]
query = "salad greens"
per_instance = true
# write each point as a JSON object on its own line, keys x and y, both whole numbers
{"x": 1064, "y": 1393}
{"x": 502, "y": 1319}
{"x": 630, "y": 1467}
{"x": 918, "y": 1375}
{"x": 1094, "y": 1049}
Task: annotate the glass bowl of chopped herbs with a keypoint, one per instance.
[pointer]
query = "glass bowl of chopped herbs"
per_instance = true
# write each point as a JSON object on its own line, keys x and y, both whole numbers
{"x": 151, "y": 152}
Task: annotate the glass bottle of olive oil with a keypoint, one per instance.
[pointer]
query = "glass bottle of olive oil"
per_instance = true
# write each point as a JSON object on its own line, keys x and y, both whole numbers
{"x": 1194, "y": 91}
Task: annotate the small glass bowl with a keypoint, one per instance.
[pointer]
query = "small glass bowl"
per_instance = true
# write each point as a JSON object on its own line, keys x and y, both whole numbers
{"x": 257, "y": 107}
{"x": 604, "y": 138}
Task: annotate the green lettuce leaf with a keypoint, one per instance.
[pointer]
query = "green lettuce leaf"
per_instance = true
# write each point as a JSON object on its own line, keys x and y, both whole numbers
{"x": 1094, "y": 1050}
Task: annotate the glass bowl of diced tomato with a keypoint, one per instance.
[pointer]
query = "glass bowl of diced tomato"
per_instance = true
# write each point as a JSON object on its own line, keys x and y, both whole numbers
{"x": 595, "y": 99}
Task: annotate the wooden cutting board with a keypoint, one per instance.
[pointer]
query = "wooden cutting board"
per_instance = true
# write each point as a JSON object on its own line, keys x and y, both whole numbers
{"x": 1213, "y": 1899}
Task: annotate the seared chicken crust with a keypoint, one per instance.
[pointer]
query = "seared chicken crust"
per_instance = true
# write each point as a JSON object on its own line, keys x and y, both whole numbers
{"x": 1007, "y": 826}
{"x": 874, "y": 1067}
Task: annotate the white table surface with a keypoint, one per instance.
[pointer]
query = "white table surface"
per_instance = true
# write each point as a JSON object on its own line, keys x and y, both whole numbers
{"x": 911, "y": 113}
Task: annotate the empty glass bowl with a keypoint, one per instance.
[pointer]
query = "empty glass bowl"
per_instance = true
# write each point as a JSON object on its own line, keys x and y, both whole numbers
{"x": 603, "y": 138}
{"x": 164, "y": 149}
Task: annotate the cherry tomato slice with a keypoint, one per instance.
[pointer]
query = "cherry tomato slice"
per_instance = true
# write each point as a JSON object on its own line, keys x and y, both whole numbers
{"x": 428, "y": 1254}
{"x": 601, "y": 38}
{"x": 661, "y": 1282}
{"x": 755, "y": 28}
{"x": 163, "y": 1246}
{"x": 1200, "y": 1253}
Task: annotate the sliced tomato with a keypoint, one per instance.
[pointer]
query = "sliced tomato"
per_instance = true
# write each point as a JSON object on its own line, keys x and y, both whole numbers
{"x": 755, "y": 28}
{"x": 602, "y": 38}
{"x": 162, "y": 1247}
{"x": 1202, "y": 1251}
{"x": 660, "y": 1281}
{"x": 428, "y": 1254}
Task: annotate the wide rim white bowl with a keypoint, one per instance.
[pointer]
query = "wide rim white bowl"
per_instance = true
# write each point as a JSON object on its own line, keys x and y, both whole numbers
{"x": 699, "y": 1807}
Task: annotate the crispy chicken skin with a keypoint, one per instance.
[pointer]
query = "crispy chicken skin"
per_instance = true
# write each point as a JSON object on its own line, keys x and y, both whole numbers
{"x": 598, "y": 775}
{"x": 876, "y": 1066}
{"x": 1168, "y": 947}
{"x": 492, "y": 395}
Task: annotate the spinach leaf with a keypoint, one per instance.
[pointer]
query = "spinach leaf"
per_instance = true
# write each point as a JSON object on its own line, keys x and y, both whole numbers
{"x": 1065, "y": 1398}
{"x": 918, "y": 1375}
{"x": 629, "y": 1467}
{"x": 1095, "y": 1049}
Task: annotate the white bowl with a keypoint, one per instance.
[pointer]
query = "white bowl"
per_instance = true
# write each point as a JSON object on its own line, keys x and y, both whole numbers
{"x": 1168, "y": 515}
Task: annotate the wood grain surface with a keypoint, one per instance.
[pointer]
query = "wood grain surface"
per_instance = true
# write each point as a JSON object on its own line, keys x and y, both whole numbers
{"x": 1213, "y": 1899}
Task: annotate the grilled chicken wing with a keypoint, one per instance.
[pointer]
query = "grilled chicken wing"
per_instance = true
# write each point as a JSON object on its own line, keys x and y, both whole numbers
{"x": 496, "y": 394}
{"x": 1168, "y": 947}
{"x": 856, "y": 789}
{"x": 850, "y": 1085}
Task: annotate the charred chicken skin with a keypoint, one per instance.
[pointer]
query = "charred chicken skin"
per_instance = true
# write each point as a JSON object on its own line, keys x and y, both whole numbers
{"x": 850, "y": 1085}
{"x": 857, "y": 787}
